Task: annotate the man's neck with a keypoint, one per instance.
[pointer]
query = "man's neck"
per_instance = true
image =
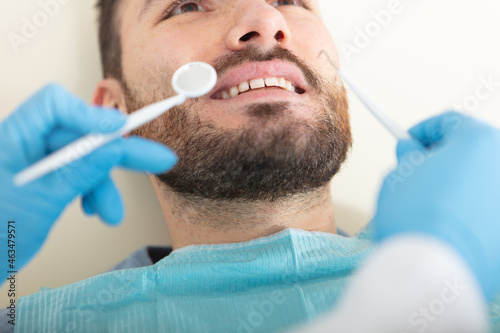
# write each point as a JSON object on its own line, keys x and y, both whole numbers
{"x": 204, "y": 221}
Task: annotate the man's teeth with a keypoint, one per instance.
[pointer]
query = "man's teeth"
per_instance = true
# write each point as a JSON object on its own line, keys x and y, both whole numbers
{"x": 258, "y": 84}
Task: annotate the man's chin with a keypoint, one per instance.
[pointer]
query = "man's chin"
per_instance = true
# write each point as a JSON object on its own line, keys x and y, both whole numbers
{"x": 267, "y": 163}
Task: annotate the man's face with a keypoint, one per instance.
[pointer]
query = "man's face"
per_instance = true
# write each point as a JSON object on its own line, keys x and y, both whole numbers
{"x": 272, "y": 127}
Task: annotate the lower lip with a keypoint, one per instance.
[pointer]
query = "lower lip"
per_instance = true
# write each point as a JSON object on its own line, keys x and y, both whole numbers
{"x": 269, "y": 94}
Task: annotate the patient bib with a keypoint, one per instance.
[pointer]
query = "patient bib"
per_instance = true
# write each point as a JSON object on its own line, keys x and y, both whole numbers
{"x": 265, "y": 285}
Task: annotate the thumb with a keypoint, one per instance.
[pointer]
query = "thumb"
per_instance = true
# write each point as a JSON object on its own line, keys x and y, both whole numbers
{"x": 406, "y": 147}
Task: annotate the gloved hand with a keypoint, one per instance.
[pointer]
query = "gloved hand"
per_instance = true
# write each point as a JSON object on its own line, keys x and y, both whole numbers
{"x": 46, "y": 122}
{"x": 449, "y": 190}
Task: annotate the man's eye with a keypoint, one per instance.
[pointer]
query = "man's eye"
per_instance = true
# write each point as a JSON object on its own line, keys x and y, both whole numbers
{"x": 186, "y": 6}
{"x": 287, "y": 3}
{"x": 182, "y": 7}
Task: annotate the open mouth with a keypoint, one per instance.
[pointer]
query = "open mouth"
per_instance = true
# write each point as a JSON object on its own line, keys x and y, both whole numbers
{"x": 257, "y": 84}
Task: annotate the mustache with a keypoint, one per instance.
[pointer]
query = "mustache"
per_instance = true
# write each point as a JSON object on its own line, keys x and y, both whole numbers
{"x": 254, "y": 54}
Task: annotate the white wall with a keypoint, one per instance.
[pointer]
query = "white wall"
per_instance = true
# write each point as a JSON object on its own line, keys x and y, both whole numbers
{"x": 430, "y": 57}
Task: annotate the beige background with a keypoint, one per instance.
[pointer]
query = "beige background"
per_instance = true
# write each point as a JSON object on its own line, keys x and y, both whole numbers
{"x": 430, "y": 57}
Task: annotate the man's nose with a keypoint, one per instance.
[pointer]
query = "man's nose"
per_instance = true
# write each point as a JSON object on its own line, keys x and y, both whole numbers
{"x": 259, "y": 24}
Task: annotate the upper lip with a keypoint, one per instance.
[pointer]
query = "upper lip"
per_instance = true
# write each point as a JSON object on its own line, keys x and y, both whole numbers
{"x": 257, "y": 70}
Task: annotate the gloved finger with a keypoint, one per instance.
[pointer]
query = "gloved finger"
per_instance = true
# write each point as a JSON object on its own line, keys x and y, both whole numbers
{"x": 105, "y": 200}
{"x": 406, "y": 147}
{"x": 134, "y": 153}
{"x": 57, "y": 107}
{"x": 138, "y": 153}
{"x": 86, "y": 207}
{"x": 60, "y": 138}
{"x": 24, "y": 132}
{"x": 145, "y": 155}
{"x": 435, "y": 129}
{"x": 55, "y": 141}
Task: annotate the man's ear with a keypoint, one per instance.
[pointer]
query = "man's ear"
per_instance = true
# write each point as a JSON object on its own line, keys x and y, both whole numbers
{"x": 109, "y": 93}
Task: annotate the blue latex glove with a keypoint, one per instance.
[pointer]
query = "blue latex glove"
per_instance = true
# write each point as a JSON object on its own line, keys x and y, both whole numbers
{"x": 449, "y": 190}
{"x": 46, "y": 122}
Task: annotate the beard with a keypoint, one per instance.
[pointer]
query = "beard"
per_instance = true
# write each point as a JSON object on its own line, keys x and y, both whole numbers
{"x": 275, "y": 156}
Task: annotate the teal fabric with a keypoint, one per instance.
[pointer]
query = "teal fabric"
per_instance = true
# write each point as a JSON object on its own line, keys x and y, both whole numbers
{"x": 265, "y": 285}
{"x": 495, "y": 314}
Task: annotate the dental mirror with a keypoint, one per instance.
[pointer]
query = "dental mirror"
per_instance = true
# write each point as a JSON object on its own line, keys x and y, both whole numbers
{"x": 194, "y": 80}
{"x": 189, "y": 81}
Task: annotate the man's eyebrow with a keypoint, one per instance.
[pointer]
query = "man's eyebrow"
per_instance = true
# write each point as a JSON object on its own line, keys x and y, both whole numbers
{"x": 146, "y": 7}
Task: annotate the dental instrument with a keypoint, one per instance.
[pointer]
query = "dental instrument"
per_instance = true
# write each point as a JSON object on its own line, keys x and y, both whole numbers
{"x": 189, "y": 81}
{"x": 376, "y": 109}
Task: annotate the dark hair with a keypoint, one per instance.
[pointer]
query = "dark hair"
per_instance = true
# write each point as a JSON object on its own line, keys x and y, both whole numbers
{"x": 109, "y": 38}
